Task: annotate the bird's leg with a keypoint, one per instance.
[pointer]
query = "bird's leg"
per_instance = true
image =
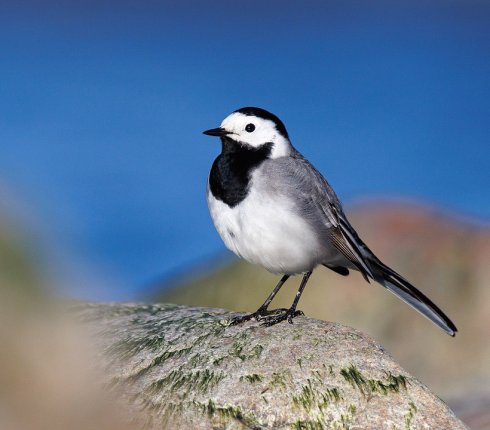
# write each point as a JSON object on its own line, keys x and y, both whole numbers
{"x": 291, "y": 312}
{"x": 302, "y": 286}
{"x": 262, "y": 312}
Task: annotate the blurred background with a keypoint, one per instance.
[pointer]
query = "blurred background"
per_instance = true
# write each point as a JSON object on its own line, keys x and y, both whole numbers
{"x": 103, "y": 167}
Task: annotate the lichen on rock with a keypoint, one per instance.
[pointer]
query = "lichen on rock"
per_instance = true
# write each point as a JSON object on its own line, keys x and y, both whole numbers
{"x": 181, "y": 367}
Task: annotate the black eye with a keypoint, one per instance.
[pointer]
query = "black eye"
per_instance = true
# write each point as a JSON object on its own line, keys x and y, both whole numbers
{"x": 250, "y": 127}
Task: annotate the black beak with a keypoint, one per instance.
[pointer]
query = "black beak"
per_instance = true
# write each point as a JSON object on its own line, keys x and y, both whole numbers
{"x": 216, "y": 132}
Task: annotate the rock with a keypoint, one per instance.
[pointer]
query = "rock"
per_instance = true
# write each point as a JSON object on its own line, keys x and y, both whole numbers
{"x": 180, "y": 367}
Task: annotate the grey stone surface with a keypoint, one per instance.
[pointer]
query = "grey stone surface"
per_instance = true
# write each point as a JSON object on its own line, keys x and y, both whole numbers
{"x": 186, "y": 368}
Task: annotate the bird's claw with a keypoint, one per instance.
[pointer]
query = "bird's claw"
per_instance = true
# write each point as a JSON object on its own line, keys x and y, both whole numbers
{"x": 286, "y": 315}
{"x": 262, "y": 315}
{"x": 291, "y": 315}
{"x": 241, "y": 319}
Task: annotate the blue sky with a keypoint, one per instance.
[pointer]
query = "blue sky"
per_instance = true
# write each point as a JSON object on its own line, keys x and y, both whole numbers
{"x": 102, "y": 105}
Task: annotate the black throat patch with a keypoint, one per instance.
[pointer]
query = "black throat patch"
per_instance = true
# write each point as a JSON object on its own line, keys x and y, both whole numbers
{"x": 230, "y": 175}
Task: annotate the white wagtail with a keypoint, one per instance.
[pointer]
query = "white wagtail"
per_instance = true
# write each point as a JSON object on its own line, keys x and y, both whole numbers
{"x": 273, "y": 208}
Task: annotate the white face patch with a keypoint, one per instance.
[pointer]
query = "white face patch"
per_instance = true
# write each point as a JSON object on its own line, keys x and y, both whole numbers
{"x": 255, "y": 131}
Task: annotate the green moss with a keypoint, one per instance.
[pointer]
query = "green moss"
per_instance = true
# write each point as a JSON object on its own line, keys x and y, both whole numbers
{"x": 316, "y": 341}
{"x": 241, "y": 349}
{"x": 216, "y": 325}
{"x": 352, "y": 336}
{"x": 307, "y": 399}
{"x": 251, "y": 378}
{"x": 236, "y": 351}
{"x": 409, "y": 416}
{"x": 218, "y": 361}
{"x": 201, "y": 380}
{"x": 229, "y": 411}
{"x": 160, "y": 359}
{"x": 278, "y": 379}
{"x": 353, "y": 376}
{"x": 129, "y": 347}
{"x": 392, "y": 384}
{"x": 311, "y": 398}
{"x": 333, "y": 394}
{"x": 225, "y": 413}
{"x": 317, "y": 375}
{"x": 198, "y": 359}
{"x": 345, "y": 421}
{"x": 256, "y": 351}
{"x": 169, "y": 354}
{"x": 308, "y": 425}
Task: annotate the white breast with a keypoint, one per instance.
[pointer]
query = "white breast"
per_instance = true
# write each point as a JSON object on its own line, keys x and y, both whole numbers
{"x": 264, "y": 229}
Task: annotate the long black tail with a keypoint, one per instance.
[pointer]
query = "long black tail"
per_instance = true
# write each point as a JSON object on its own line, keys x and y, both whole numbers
{"x": 371, "y": 267}
{"x": 401, "y": 288}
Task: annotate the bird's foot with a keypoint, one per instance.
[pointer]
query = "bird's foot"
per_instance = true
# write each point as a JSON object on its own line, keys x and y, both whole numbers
{"x": 260, "y": 314}
{"x": 284, "y": 315}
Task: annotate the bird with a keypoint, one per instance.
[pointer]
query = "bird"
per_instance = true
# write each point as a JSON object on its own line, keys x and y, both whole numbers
{"x": 273, "y": 208}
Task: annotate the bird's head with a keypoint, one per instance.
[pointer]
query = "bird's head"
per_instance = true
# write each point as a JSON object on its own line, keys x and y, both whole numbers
{"x": 254, "y": 127}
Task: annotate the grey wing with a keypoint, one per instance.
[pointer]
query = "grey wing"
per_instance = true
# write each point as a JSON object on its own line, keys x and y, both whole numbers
{"x": 317, "y": 202}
